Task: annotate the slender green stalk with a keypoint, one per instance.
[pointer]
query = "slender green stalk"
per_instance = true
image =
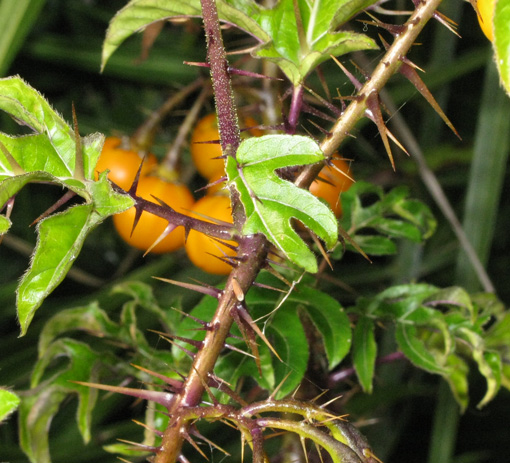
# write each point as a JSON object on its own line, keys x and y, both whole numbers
{"x": 492, "y": 147}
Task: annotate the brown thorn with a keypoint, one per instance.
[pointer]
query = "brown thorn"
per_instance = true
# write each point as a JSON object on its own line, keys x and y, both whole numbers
{"x": 183, "y": 349}
{"x": 66, "y": 197}
{"x": 246, "y": 316}
{"x": 16, "y": 168}
{"x": 321, "y": 249}
{"x": 317, "y": 397}
{"x": 169, "y": 229}
{"x": 355, "y": 245}
{"x": 201, "y": 322}
{"x": 450, "y": 24}
{"x": 207, "y": 388}
{"x": 191, "y": 342}
{"x": 329, "y": 402}
{"x": 409, "y": 73}
{"x": 196, "y": 433}
{"x": 175, "y": 383}
{"x": 209, "y": 291}
{"x": 248, "y": 336}
{"x": 194, "y": 444}
{"x": 350, "y": 76}
{"x": 271, "y": 288}
{"x": 273, "y": 394}
{"x": 143, "y": 425}
{"x": 79, "y": 172}
{"x": 302, "y": 439}
{"x": 373, "y": 112}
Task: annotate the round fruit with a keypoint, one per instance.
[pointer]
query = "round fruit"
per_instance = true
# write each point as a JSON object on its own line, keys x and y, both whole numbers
{"x": 202, "y": 249}
{"x": 335, "y": 184}
{"x": 206, "y": 156}
{"x": 150, "y": 227}
{"x": 485, "y": 16}
{"x": 122, "y": 164}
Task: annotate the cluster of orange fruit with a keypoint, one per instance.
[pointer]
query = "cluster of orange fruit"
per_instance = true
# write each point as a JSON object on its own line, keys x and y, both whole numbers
{"x": 205, "y": 252}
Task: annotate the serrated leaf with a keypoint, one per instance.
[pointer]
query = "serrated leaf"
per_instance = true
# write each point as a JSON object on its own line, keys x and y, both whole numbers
{"x": 271, "y": 203}
{"x": 29, "y": 107}
{"x": 390, "y": 214}
{"x": 502, "y": 41}
{"x": 364, "y": 351}
{"x": 50, "y": 155}
{"x": 42, "y": 403}
{"x": 9, "y": 402}
{"x": 60, "y": 239}
{"x": 276, "y": 28}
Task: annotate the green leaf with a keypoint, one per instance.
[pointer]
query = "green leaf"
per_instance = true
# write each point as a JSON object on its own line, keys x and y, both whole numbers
{"x": 296, "y": 52}
{"x": 271, "y": 203}
{"x": 16, "y": 19}
{"x": 456, "y": 377}
{"x": 489, "y": 363}
{"x": 60, "y": 239}
{"x": 364, "y": 351}
{"x": 40, "y": 405}
{"x": 9, "y": 402}
{"x": 138, "y": 14}
{"x": 90, "y": 318}
{"x": 5, "y": 224}
{"x": 502, "y": 41}
{"x": 29, "y": 107}
{"x": 330, "y": 320}
{"x": 416, "y": 350}
{"x": 367, "y": 208}
{"x": 50, "y": 155}
{"x": 374, "y": 245}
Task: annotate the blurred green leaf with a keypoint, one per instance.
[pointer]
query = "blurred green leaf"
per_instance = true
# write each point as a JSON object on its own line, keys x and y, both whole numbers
{"x": 9, "y": 402}
{"x": 367, "y": 208}
{"x": 16, "y": 20}
{"x": 416, "y": 350}
{"x": 329, "y": 318}
{"x": 502, "y": 41}
{"x": 271, "y": 203}
{"x": 364, "y": 352}
{"x": 40, "y": 405}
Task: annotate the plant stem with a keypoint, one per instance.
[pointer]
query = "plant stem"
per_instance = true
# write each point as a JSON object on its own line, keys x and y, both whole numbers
{"x": 253, "y": 250}
{"x": 295, "y": 108}
{"x": 387, "y": 66}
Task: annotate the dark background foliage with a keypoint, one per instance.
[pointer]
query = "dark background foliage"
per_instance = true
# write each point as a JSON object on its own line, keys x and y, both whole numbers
{"x": 61, "y": 57}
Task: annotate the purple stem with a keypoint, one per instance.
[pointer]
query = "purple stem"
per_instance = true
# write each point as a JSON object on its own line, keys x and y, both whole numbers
{"x": 295, "y": 109}
{"x": 342, "y": 375}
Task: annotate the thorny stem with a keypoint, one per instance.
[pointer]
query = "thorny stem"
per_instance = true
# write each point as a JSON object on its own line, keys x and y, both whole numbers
{"x": 387, "y": 66}
{"x": 295, "y": 108}
{"x": 253, "y": 250}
